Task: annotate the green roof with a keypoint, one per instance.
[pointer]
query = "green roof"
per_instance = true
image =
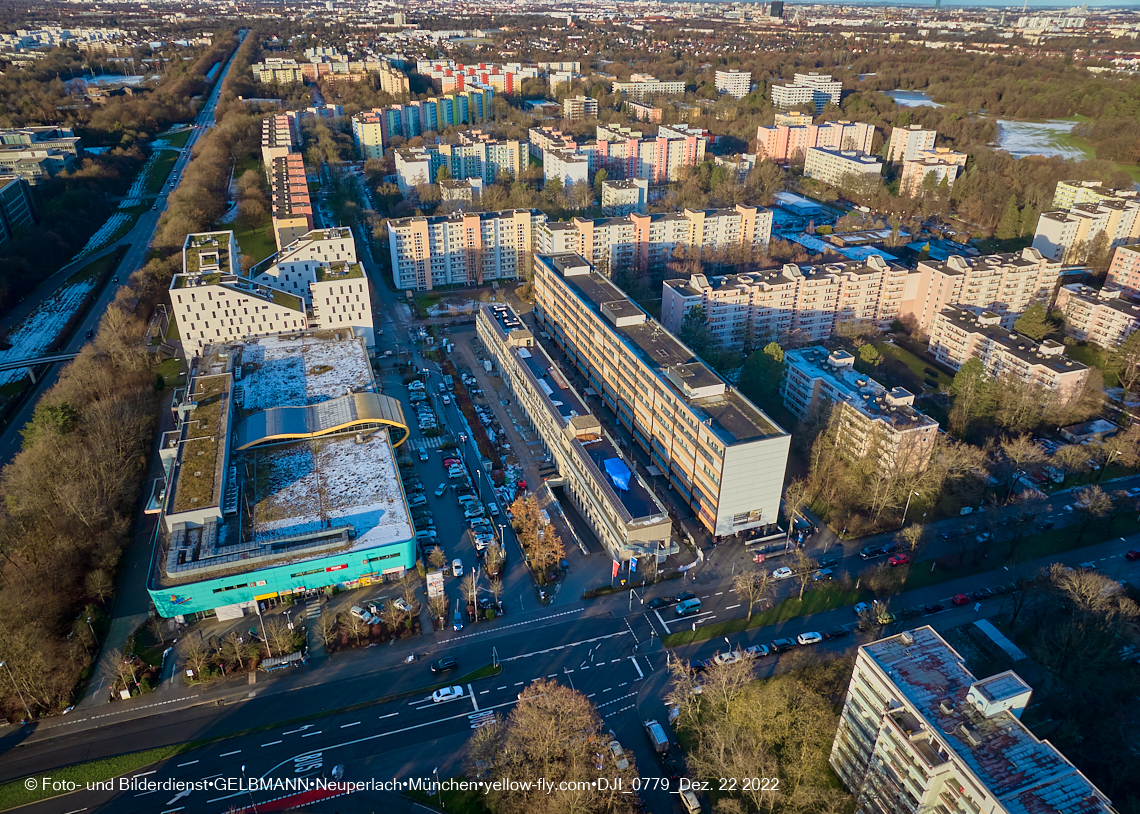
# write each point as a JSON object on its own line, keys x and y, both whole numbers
{"x": 341, "y": 272}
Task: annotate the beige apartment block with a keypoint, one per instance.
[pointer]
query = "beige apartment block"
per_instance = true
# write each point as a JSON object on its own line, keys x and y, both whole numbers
{"x": 1069, "y": 235}
{"x": 920, "y": 733}
{"x": 723, "y": 457}
{"x": 1004, "y": 284}
{"x": 462, "y": 249}
{"x": 393, "y": 81}
{"x": 833, "y": 166}
{"x": 793, "y": 118}
{"x": 907, "y": 142}
{"x": 1103, "y": 318}
{"x": 1124, "y": 271}
{"x": 958, "y": 336}
{"x": 645, "y": 87}
{"x": 276, "y": 70}
{"x": 615, "y": 502}
{"x": 943, "y": 163}
{"x": 870, "y": 420}
{"x": 791, "y": 143}
{"x": 808, "y": 90}
{"x": 566, "y": 167}
{"x": 793, "y": 303}
{"x": 579, "y": 107}
{"x": 1069, "y": 193}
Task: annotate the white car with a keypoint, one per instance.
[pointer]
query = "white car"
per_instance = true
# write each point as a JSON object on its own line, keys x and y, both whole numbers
{"x": 446, "y": 694}
{"x": 783, "y": 573}
{"x": 457, "y": 567}
{"x": 809, "y": 638}
{"x": 727, "y": 658}
{"x": 620, "y": 760}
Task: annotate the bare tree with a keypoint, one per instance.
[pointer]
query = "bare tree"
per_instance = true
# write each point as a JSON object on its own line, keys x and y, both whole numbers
{"x": 1093, "y": 504}
{"x": 437, "y": 606}
{"x": 395, "y": 617}
{"x": 326, "y": 628}
{"x": 795, "y": 498}
{"x": 910, "y": 538}
{"x": 803, "y": 567}
{"x": 355, "y": 626}
{"x": 278, "y": 637}
{"x": 754, "y": 586}
{"x": 196, "y": 653}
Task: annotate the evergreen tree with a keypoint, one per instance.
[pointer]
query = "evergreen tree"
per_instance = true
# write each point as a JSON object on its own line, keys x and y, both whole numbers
{"x": 1029, "y": 218}
{"x": 1010, "y": 224}
{"x": 1035, "y": 323}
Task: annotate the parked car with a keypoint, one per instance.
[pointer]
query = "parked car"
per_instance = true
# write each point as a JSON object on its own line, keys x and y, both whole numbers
{"x": 446, "y": 694}
{"x": 810, "y": 637}
{"x": 982, "y": 593}
{"x": 782, "y": 644}
{"x": 861, "y": 608}
{"x": 934, "y": 608}
{"x": 1132, "y": 554}
{"x": 445, "y": 665}
{"x": 688, "y": 607}
{"x": 727, "y": 658}
{"x": 493, "y": 508}
{"x": 621, "y": 762}
{"x": 836, "y": 633}
{"x": 417, "y": 500}
{"x": 961, "y": 599}
{"x": 756, "y": 651}
{"x": 823, "y": 575}
{"x": 684, "y": 596}
{"x": 945, "y": 536}
{"x": 783, "y": 573}
{"x": 828, "y": 562}
{"x": 899, "y": 559}
{"x": 870, "y": 552}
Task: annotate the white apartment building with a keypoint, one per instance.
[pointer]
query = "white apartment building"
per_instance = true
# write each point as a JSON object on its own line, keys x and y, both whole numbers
{"x": 1103, "y": 318}
{"x": 907, "y": 142}
{"x": 870, "y": 420}
{"x": 484, "y": 159}
{"x": 831, "y": 166}
{"x": 618, "y": 505}
{"x": 213, "y": 303}
{"x": 642, "y": 86}
{"x": 736, "y": 84}
{"x": 808, "y": 90}
{"x": 1003, "y": 284}
{"x": 278, "y": 70}
{"x": 1069, "y": 235}
{"x": 579, "y": 107}
{"x": 792, "y": 303}
{"x": 625, "y": 197}
{"x": 943, "y": 163}
{"x": 565, "y": 166}
{"x": 462, "y": 249}
{"x": 958, "y": 335}
{"x": 723, "y": 456}
{"x": 1069, "y": 193}
{"x": 1124, "y": 271}
{"x": 920, "y": 733}
{"x": 646, "y": 243}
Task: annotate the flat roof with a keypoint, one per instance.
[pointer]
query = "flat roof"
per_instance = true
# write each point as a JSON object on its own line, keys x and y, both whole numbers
{"x": 637, "y": 500}
{"x": 1108, "y": 299}
{"x": 1015, "y": 344}
{"x": 299, "y": 500}
{"x": 1024, "y": 773}
{"x": 729, "y": 415}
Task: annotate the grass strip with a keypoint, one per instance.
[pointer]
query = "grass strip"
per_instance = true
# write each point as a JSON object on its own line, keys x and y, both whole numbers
{"x": 453, "y": 801}
{"x": 178, "y": 139}
{"x": 160, "y": 171}
{"x": 14, "y": 793}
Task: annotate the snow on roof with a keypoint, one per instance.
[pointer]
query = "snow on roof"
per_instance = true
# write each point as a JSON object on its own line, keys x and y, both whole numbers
{"x": 302, "y": 370}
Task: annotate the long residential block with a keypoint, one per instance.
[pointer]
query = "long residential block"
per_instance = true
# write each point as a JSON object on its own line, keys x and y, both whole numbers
{"x": 613, "y": 499}
{"x": 834, "y": 166}
{"x": 870, "y": 419}
{"x": 784, "y": 143}
{"x": 462, "y": 249}
{"x": 1070, "y": 235}
{"x": 957, "y": 336}
{"x": 373, "y": 130}
{"x": 1103, "y": 317}
{"x": 723, "y": 456}
{"x": 919, "y": 732}
{"x": 480, "y": 158}
{"x": 937, "y": 165}
{"x": 808, "y": 90}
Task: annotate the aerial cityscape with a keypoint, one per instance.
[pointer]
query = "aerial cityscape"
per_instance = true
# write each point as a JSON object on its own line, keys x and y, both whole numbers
{"x": 535, "y": 408}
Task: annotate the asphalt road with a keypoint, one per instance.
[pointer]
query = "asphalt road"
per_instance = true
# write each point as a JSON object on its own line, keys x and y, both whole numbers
{"x": 138, "y": 239}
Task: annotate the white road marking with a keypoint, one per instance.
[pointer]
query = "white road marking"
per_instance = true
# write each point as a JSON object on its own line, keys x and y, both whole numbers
{"x": 346, "y": 726}
{"x": 718, "y": 593}
{"x": 607, "y": 689}
{"x": 637, "y": 667}
{"x": 519, "y": 683}
{"x": 310, "y": 734}
{"x": 561, "y": 647}
{"x": 144, "y": 774}
{"x": 389, "y": 715}
{"x": 730, "y": 607}
{"x": 271, "y": 743}
{"x": 227, "y": 754}
{"x": 76, "y": 811}
{"x": 295, "y": 731}
{"x": 191, "y": 763}
{"x": 614, "y": 661}
{"x": 553, "y": 675}
{"x": 500, "y": 688}
{"x": 483, "y": 692}
{"x": 471, "y": 692}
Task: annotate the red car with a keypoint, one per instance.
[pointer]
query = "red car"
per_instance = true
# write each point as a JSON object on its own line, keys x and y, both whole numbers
{"x": 451, "y": 461}
{"x": 961, "y": 599}
{"x": 1133, "y": 554}
{"x": 899, "y": 559}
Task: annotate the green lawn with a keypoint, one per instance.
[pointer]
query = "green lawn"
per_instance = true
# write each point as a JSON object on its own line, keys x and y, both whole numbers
{"x": 178, "y": 139}
{"x": 98, "y": 267}
{"x": 159, "y": 171}
{"x": 453, "y": 801}
{"x": 170, "y": 371}
{"x": 257, "y": 242}
{"x": 1094, "y": 357}
{"x": 916, "y": 364}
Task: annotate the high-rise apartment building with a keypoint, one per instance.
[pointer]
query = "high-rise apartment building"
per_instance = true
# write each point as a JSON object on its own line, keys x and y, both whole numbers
{"x": 808, "y": 90}
{"x": 790, "y": 143}
{"x": 736, "y": 84}
{"x": 462, "y": 249}
{"x": 448, "y": 76}
{"x": 279, "y": 71}
{"x": 622, "y": 152}
{"x": 833, "y": 166}
{"x": 614, "y": 501}
{"x": 907, "y": 142}
{"x": 723, "y": 456}
{"x": 647, "y": 243}
{"x": 920, "y": 733}
{"x": 1124, "y": 271}
{"x": 292, "y": 209}
{"x": 792, "y": 118}
{"x": 941, "y": 164}
{"x": 870, "y": 420}
{"x": 642, "y": 86}
{"x": 1003, "y": 284}
{"x": 1070, "y": 235}
{"x": 792, "y": 303}
{"x": 373, "y": 130}
{"x": 957, "y": 336}
{"x": 579, "y": 107}
{"x": 1069, "y": 193}
{"x": 1103, "y": 318}
{"x": 475, "y": 156}
{"x": 644, "y": 113}
{"x": 625, "y": 197}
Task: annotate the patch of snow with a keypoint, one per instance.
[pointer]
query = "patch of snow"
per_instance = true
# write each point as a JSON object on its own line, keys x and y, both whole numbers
{"x": 138, "y": 188}
{"x": 39, "y": 329}
{"x": 105, "y": 232}
{"x": 1020, "y": 139}
{"x": 287, "y": 371}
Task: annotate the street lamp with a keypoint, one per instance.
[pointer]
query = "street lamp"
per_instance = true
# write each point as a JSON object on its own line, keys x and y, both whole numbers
{"x": 245, "y": 779}
{"x": 93, "y": 635}
{"x": 907, "y": 509}
{"x": 4, "y": 664}
{"x": 261, "y": 619}
{"x": 1104, "y": 468}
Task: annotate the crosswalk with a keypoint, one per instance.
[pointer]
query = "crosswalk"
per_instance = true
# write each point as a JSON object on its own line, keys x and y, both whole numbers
{"x": 312, "y": 612}
{"x": 439, "y": 442}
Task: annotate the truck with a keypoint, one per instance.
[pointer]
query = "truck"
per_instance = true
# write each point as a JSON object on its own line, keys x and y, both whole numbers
{"x": 449, "y": 383}
{"x": 657, "y": 737}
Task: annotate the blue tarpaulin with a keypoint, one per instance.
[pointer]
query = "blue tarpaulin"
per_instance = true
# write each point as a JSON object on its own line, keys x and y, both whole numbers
{"x": 619, "y": 473}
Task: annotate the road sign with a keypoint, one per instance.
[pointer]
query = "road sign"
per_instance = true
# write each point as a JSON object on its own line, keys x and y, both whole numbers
{"x": 977, "y": 606}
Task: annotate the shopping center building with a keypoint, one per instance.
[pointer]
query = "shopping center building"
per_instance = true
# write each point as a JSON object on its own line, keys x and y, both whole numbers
{"x": 280, "y": 478}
